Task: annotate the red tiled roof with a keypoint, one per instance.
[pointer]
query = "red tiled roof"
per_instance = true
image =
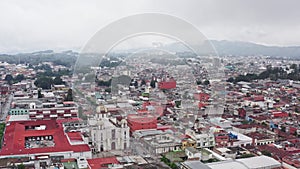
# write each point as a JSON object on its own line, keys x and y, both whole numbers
{"x": 15, "y": 134}
{"x": 259, "y": 98}
{"x": 138, "y": 118}
{"x": 280, "y": 114}
{"x": 76, "y": 136}
{"x": 97, "y": 163}
{"x": 245, "y": 126}
{"x": 60, "y": 121}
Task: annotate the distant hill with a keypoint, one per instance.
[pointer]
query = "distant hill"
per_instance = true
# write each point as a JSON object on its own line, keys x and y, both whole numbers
{"x": 224, "y": 48}
{"x": 237, "y": 48}
{"x": 66, "y": 58}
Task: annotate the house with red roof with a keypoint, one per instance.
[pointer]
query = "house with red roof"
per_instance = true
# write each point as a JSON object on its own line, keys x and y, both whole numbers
{"x": 42, "y": 137}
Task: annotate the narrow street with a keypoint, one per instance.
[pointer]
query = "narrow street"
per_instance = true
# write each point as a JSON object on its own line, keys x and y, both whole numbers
{"x": 6, "y": 107}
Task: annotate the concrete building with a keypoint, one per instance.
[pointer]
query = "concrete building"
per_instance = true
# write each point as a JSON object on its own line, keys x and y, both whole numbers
{"x": 42, "y": 137}
{"x": 161, "y": 143}
{"x": 193, "y": 153}
{"x": 108, "y": 133}
{"x": 257, "y": 162}
{"x": 141, "y": 121}
{"x": 203, "y": 140}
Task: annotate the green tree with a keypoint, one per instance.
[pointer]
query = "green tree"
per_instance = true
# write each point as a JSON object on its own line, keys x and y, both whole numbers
{"x": 69, "y": 96}
{"x": 136, "y": 84}
{"x": 294, "y": 66}
{"x": 231, "y": 80}
{"x": 152, "y": 83}
{"x": 283, "y": 129}
{"x": 246, "y": 155}
{"x": 198, "y": 82}
{"x": 9, "y": 78}
{"x": 44, "y": 82}
{"x": 206, "y": 82}
{"x": 19, "y": 77}
{"x": 143, "y": 82}
{"x": 58, "y": 81}
{"x": 21, "y": 166}
{"x": 266, "y": 153}
{"x": 40, "y": 93}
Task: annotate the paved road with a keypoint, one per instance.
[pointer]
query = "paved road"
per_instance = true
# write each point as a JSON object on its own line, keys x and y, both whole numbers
{"x": 6, "y": 107}
{"x": 137, "y": 148}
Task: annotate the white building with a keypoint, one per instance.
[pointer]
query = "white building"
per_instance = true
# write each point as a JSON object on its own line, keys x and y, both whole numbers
{"x": 161, "y": 143}
{"x": 258, "y": 162}
{"x": 193, "y": 153}
{"x": 203, "y": 140}
{"x": 108, "y": 133}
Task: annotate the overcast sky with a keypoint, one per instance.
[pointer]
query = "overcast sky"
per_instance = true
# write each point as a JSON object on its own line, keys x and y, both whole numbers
{"x": 28, "y": 25}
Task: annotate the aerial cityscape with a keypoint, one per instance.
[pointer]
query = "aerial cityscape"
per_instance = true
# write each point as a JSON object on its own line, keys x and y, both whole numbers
{"x": 145, "y": 87}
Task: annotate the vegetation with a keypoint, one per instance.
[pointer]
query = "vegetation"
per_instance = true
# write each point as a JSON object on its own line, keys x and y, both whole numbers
{"x": 36, "y": 58}
{"x": 166, "y": 161}
{"x": 206, "y": 82}
{"x": 271, "y": 73}
{"x": 211, "y": 160}
{"x": 21, "y": 166}
{"x": 2, "y": 128}
{"x": 40, "y": 94}
{"x": 58, "y": 81}
{"x": 152, "y": 83}
{"x": 19, "y": 78}
{"x": 143, "y": 82}
{"x": 246, "y": 155}
{"x": 44, "y": 82}
{"x": 50, "y": 73}
{"x": 109, "y": 63}
{"x": 9, "y": 78}
{"x": 46, "y": 79}
{"x": 266, "y": 153}
{"x": 282, "y": 128}
{"x": 104, "y": 83}
{"x": 69, "y": 96}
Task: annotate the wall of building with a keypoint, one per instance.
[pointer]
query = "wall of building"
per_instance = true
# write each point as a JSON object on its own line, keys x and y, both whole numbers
{"x": 110, "y": 138}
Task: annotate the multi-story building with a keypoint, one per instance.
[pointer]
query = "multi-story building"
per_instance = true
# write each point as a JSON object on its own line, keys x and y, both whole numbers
{"x": 161, "y": 143}
{"x": 167, "y": 84}
{"x": 141, "y": 121}
{"x": 108, "y": 133}
{"x": 37, "y": 110}
{"x": 42, "y": 137}
{"x": 203, "y": 140}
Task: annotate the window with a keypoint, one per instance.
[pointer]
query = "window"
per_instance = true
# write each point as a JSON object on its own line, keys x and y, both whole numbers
{"x": 113, "y": 134}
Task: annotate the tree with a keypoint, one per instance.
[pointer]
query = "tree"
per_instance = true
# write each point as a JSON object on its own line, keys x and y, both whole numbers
{"x": 266, "y": 153}
{"x": 231, "y": 80}
{"x": 152, "y": 83}
{"x": 21, "y": 166}
{"x": 9, "y": 78}
{"x": 143, "y": 82}
{"x": 40, "y": 94}
{"x": 136, "y": 84}
{"x": 44, "y": 82}
{"x": 206, "y": 82}
{"x": 294, "y": 66}
{"x": 69, "y": 96}
{"x": 246, "y": 155}
{"x": 296, "y": 133}
{"x": 58, "y": 81}
{"x": 19, "y": 77}
{"x": 283, "y": 129}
